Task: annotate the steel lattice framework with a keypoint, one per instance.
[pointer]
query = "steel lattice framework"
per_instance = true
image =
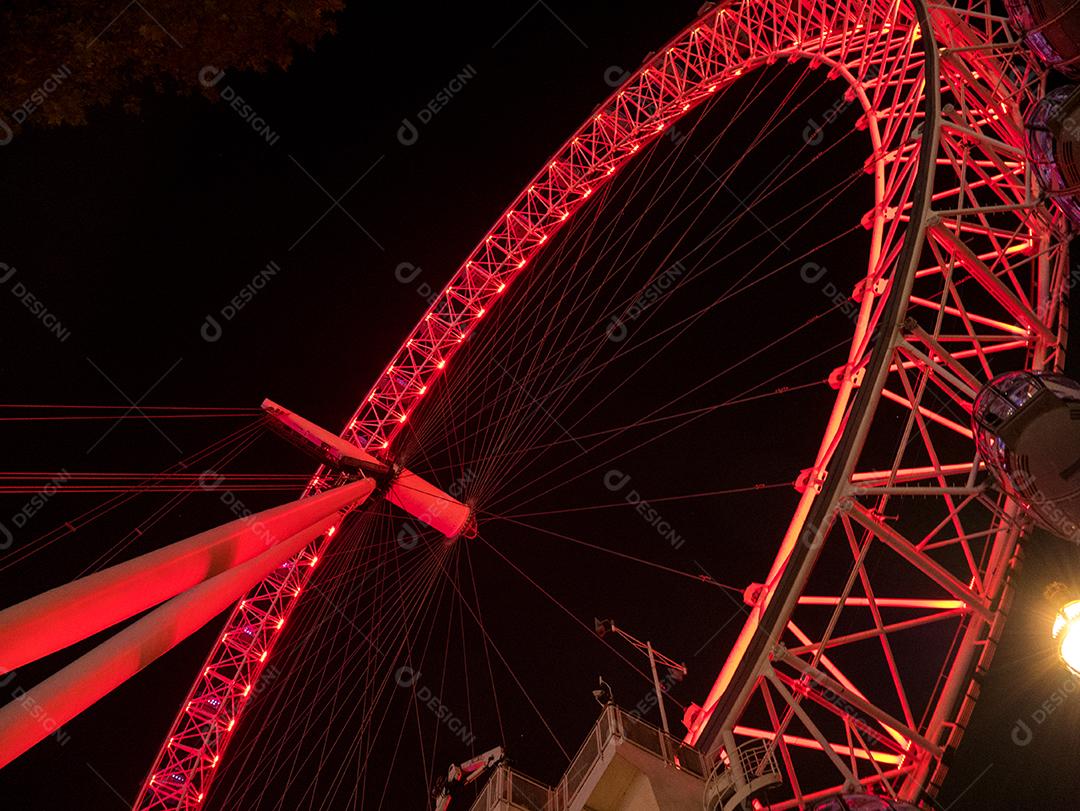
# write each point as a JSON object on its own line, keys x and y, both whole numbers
{"x": 966, "y": 276}
{"x": 827, "y": 665}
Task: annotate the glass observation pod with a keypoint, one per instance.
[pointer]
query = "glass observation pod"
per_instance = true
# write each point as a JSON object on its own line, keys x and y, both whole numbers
{"x": 1027, "y": 430}
{"x": 863, "y": 802}
{"x": 1051, "y": 28}
{"x": 1053, "y": 133}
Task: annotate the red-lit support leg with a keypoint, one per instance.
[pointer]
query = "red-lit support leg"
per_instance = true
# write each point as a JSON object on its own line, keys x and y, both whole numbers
{"x": 69, "y": 613}
{"x": 92, "y": 676}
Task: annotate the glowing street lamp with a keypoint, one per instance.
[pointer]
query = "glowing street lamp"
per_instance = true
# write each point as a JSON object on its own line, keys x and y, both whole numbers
{"x": 1066, "y": 630}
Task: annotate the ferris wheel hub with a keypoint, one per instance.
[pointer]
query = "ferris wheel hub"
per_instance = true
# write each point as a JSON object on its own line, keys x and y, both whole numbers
{"x": 403, "y": 488}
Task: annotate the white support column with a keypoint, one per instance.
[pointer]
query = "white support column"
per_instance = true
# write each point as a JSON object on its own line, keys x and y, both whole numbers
{"x": 67, "y": 614}
{"x": 90, "y": 677}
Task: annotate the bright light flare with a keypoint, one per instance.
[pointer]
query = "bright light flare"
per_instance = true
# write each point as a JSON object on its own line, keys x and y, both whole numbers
{"x": 1066, "y": 633}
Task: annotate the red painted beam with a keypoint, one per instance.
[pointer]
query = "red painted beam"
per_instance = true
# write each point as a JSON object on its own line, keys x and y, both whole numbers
{"x": 90, "y": 677}
{"x": 67, "y": 614}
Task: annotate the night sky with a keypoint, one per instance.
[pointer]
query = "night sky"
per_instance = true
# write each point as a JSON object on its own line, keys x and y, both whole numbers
{"x": 135, "y": 228}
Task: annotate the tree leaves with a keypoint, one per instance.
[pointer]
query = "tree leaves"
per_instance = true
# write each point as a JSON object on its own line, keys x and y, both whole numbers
{"x": 63, "y": 60}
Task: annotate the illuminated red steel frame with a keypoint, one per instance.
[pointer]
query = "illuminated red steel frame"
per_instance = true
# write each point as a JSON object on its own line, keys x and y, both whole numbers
{"x": 966, "y": 276}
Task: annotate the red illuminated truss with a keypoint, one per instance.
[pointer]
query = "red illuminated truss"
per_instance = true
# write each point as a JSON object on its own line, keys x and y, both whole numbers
{"x": 966, "y": 277}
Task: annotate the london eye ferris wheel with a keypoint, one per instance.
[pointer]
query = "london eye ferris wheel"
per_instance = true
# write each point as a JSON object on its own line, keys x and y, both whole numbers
{"x": 886, "y": 299}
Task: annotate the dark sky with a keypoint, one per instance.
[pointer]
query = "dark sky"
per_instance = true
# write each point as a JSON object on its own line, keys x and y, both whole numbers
{"x": 134, "y": 228}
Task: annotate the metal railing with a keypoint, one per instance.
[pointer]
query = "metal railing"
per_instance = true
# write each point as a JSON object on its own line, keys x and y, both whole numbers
{"x": 508, "y": 789}
{"x": 754, "y": 767}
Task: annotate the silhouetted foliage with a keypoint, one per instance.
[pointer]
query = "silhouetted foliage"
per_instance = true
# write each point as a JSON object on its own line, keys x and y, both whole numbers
{"x": 63, "y": 59}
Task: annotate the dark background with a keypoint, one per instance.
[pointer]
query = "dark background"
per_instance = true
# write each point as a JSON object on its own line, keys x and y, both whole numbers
{"x": 133, "y": 228}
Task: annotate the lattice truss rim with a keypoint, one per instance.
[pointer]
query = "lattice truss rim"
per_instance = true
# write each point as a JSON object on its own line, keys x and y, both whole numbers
{"x": 989, "y": 295}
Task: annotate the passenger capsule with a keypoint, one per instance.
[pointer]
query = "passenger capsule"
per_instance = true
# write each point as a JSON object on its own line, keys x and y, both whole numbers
{"x": 863, "y": 802}
{"x": 1051, "y": 28}
{"x": 1027, "y": 430}
{"x": 1053, "y": 134}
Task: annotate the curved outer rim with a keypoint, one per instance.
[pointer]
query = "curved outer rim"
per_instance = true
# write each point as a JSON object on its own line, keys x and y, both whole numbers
{"x": 767, "y": 631}
{"x": 378, "y": 434}
{"x": 956, "y": 697}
